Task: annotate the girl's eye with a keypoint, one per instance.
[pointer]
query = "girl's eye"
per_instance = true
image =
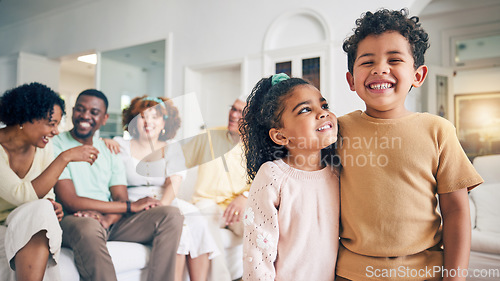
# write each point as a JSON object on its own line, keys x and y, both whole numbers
{"x": 304, "y": 110}
{"x": 325, "y": 106}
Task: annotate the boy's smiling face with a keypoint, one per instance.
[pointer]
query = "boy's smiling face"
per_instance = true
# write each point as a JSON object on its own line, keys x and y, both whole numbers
{"x": 383, "y": 73}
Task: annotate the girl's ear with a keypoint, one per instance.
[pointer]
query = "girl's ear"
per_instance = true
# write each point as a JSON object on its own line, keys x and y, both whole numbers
{"x": 277, "y": 137}
{"x": 420, "y": 75}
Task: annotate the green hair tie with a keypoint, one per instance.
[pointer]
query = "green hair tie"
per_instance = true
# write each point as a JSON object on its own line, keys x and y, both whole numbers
{"x": 155, "y": 99}
{"x": 278, "y": 78}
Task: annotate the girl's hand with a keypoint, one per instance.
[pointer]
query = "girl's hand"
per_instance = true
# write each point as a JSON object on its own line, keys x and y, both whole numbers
{"x": 145, "y": 203}
{"x": 82, "y": 153}
{"x": 112, "y": 145}
{"x": 58, "y": 209}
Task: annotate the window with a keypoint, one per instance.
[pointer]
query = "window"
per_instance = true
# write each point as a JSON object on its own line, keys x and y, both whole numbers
{"x": 307, "y": 68}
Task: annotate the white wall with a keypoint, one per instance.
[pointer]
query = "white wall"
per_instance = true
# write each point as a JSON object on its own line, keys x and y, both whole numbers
{"x": 447, "y": 21}
{"x": 70, "y": 85}
{"x": 203, "y": 32}
{"x": 437, "y": 23}
{"x": 8, "y": 70}
{"x": 476, "y": 81}
{"x": 119, "y": 79}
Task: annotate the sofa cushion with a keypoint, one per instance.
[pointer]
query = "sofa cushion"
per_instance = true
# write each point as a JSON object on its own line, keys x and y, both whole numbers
{"x": 486, "y": 242}
{"x": 486, "y": 198}
{"x": 128, "y": 258}
{"x": 487, "y": 167}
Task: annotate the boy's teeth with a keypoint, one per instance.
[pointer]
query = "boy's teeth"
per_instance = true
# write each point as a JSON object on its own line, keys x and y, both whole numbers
{"x": 380, "y": 86}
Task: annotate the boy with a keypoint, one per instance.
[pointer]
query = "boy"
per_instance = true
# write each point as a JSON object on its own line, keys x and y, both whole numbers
{"x": 396, "y": 161}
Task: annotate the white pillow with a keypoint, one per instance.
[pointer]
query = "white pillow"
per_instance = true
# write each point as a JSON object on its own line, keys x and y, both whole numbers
{"x": 486, "y": 197}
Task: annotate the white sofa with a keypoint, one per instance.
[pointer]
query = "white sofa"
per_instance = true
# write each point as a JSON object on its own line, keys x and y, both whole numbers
{"x": 484, "y": 202}
{"x": 131, "y": 259}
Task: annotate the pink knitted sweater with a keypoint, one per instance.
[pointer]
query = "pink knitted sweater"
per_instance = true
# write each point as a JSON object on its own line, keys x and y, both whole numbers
{"x": 291, "y": 224}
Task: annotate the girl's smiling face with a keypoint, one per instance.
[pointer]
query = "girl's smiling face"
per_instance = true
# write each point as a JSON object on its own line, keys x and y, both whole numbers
{"x": 383, "y": 73}
{"x": 307, "y": 123}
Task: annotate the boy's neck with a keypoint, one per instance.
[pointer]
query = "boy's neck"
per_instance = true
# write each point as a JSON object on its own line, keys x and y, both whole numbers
{"x": 389, "y": 114}
{"x": 305, "y": 161}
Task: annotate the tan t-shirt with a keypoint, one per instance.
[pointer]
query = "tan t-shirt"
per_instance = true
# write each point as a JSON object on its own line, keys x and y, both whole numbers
{"x": 214, "y": 181}
{"x": 392, "y": 171}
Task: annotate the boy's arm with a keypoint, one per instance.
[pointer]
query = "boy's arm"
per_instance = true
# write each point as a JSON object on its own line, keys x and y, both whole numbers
{"x": 456, "y": 233}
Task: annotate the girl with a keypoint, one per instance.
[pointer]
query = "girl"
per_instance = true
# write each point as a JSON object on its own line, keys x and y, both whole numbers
{"x": 292, "y": 216}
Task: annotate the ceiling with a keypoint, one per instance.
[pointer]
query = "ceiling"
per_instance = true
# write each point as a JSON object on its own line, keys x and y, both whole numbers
{"x": 146, "y": 56}
{"x": 16, "y": 11}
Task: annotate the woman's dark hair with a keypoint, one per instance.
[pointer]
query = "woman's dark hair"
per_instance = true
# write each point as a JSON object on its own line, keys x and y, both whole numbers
{"x": 27, "y": 103}
{"x": 387, "y": 20}
{"x": 263, "y": 111}
{"x": 163, "y": 106}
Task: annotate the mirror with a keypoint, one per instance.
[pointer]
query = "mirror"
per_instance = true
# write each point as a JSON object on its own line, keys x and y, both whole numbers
{"x": 129, "y": 72}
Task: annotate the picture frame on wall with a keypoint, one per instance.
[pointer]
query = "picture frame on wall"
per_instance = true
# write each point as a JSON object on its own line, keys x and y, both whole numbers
{"x": 477, "y": 120}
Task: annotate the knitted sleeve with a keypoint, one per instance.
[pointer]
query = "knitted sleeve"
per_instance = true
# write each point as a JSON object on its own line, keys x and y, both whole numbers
{"x": 260, "y": 220}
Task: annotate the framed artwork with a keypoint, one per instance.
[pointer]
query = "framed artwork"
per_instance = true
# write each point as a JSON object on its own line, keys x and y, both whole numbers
{"x": 477, "y": 119}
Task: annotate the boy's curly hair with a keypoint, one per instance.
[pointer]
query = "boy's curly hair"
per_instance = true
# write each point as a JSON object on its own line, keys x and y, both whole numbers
{"x": 166, "y": 109}
{"x": 386, "y": 20}
{"x": 27, "y": 103}
{"x": 263, "y": 111}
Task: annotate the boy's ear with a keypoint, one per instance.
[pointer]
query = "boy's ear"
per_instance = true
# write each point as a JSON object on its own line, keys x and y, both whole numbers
{"x": 350, "y": 80}
{"x": 420, "y": 75}
{"x": 277, "y": 137}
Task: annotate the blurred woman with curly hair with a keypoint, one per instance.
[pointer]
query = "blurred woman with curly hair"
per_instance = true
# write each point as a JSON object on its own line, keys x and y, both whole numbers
{"x": 29, "y": 226}
{"x": 156, "y": 167}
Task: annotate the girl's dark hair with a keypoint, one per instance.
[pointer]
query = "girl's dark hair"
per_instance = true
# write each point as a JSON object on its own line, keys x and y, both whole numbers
{"x": 387, "y": 20}
{"x": 27, "y": 103}
{"x": 263, "y": 111}
{"x": 163, "y": 106}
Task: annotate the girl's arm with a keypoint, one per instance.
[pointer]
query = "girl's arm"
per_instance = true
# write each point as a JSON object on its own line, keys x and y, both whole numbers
{"x": 171, "y": 188}
{"x": 260, "y": 219}
{"x": 456, "y": 233}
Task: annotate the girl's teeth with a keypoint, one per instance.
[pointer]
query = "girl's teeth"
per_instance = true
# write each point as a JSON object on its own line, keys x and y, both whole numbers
{"x": 324, "y": 127}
